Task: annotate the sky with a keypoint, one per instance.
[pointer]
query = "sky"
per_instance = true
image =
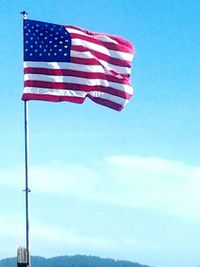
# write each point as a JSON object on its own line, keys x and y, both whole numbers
{"x": 122, "y": 185}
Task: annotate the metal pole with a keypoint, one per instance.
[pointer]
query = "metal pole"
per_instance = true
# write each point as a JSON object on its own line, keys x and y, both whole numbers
{"x": 27, "y": 190}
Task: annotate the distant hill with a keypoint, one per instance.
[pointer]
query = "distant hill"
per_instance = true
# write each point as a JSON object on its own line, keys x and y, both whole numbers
{"x": 72, "y": 261}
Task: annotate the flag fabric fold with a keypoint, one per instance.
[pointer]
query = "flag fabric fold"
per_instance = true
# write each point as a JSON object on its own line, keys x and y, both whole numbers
{"x": 66, "y": 63}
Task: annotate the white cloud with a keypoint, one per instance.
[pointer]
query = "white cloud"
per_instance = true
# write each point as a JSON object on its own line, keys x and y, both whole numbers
{"x": 164, "y": 185}
{"x": 58, "y": 179}
{"x": 170, "y": 186}
{"x": 12, "y": 234}
{"x": 6, "y": 224}
{"x": 65, "y": 239}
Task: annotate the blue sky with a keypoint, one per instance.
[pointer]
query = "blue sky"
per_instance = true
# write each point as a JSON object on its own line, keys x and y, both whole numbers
{"x": 121, "y": 185}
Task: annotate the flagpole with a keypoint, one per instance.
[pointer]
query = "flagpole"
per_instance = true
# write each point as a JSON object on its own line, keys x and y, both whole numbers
{"x": 27, "y": 190}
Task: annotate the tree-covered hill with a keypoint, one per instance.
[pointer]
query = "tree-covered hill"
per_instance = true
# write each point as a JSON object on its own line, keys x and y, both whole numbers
{"x": 72, "y": 261}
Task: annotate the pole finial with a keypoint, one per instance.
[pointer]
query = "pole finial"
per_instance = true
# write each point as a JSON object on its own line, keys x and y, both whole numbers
{"x": 24, "y": 14}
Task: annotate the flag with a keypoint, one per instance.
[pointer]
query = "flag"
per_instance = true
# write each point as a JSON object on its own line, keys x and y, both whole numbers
{"x": 67, "y": 63}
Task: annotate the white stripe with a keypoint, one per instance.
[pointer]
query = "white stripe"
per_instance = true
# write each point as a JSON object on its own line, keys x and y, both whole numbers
{"x": 105, "y": 64}
{"x": 71, "y": 30}
{"x": 56, "y": 92}
{"x": 102, "y": 49}
{"x": 72, "y": 93}
{"x": 104, "y": 67}
{"x": 105, "y": 38}
{"x": 75, "y": 80}
{"x": 111, "y": 67}
{"x": 98, "y": 36}
{"x": 65, "y": 66}
{"x": 114, "y": 99}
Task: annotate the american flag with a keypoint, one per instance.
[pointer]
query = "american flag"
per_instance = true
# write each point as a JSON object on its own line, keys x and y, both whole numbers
{"x": 66, "y": 63}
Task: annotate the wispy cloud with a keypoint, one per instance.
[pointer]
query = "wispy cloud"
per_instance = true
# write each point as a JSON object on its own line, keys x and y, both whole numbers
{"x": 60, "y": 240}
{"x": 168, "y": 186}
{"x": 67, "y": 239}
{"x": 11, "y": 235}
{"x": 151, "y": 182}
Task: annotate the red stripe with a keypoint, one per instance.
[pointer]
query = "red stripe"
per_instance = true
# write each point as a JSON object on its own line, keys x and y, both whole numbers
{"x": 111, "y": 46}
{"x": 77, "y": 100}
{"x": 118, "y": 39}
{"x": 106, "y": 103}
{"x": 85, "y": 61}
{"x": 53, "y": 98}
{"x": 93, "y": 61}
{"x": 77, "y": 87}
{"x": 76, "y": 73}
{"x": 99, "y": 55}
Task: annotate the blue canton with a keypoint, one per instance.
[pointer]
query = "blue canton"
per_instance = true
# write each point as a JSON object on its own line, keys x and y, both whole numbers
{"x": 46, "y": 42}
